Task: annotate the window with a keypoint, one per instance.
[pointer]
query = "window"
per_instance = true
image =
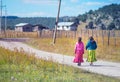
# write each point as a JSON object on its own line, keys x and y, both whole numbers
{"x": 67, "y": 26}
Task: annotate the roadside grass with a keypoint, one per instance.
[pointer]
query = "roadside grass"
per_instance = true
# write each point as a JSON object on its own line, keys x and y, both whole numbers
{"x": 18, "y": 66}
{"x": 65, "y": 46}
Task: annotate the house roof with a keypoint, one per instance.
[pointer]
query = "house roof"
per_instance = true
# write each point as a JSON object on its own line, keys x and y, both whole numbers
{"x": 21, "y": 24}
{"x": 65, "y": 23}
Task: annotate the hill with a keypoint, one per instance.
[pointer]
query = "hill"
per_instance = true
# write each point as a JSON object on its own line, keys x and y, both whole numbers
{"x": 45, "y": 21}
{"x": 13, "y": 20}
{"x": 107, "y": 17}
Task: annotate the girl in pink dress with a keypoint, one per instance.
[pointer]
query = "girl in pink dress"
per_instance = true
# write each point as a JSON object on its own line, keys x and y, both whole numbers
{"x": 79, "y": 51}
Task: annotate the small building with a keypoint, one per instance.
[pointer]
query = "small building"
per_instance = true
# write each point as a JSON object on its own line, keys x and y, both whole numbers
{"x": 24, "y": 27}
{"x": 39, "y": 27}
{"x": 67, "y": 26}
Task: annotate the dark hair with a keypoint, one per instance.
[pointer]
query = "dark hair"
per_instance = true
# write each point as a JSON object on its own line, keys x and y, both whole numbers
{"x": 79, "y": 39}
{"x": 91, "y": 38}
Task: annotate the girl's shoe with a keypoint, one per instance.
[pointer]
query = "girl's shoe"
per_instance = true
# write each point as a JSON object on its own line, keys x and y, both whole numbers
{"x": 91, "y": 64}
{"x": 79, "y": 64}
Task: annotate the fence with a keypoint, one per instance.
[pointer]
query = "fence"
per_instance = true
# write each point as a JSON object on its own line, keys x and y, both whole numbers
{"x": 14, "y": 34}
{"x": 104, "y": 36}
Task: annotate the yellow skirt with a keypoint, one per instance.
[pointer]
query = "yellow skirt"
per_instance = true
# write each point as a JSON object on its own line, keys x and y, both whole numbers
{"x": 91, "y": 56}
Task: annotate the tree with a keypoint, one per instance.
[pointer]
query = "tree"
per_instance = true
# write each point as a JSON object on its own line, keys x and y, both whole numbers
{"x": 111, "y": 26}
{"x": 90, "y": 25}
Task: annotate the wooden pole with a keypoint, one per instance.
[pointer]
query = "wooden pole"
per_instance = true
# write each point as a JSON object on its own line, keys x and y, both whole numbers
{"x": 0, "y": 15}
{"x": 56, "y": 24}
{"x": 114, "y": 37}
{"x": 108, "y": 37}
{"x": 102, "y": 37}
{"x": 5, "y": 21}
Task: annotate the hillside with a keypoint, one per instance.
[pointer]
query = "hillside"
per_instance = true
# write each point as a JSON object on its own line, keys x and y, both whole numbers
{"x": 107, "y": 17}
{"x": 45, "y": 21}
{"x": 13, "y": 20}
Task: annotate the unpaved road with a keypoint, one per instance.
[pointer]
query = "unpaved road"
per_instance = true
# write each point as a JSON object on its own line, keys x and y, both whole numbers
{"x": 101, "y": 67}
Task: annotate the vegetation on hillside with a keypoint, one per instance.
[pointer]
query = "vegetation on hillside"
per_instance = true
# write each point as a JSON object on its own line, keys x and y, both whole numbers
{"x": 107, "y": 17}
{"x": 13, "y": 20}
{"x": 45, "y": 21}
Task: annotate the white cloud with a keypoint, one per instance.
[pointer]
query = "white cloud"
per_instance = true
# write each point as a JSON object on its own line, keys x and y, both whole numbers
{"x": 75, "y": 11}
{"x": 47, "y": 2}
{"x": 32, "y": 14}
{"x": 95, "y": 3}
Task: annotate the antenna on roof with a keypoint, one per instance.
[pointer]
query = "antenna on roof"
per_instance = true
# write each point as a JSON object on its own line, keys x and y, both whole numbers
{"x": 56, "y": 24}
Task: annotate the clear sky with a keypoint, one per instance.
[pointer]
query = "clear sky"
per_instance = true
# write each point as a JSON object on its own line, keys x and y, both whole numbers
{"x": 49, "y": 8}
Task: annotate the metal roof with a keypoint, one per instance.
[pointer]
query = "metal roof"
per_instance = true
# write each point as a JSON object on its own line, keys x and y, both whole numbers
{"x": 21, "y": 24}
{"x": 65, "y": 23}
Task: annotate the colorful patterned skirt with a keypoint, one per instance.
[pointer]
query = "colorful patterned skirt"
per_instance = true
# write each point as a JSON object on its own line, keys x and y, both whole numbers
{"x": 91, "y": 56}
{"x": 78, "y": 58}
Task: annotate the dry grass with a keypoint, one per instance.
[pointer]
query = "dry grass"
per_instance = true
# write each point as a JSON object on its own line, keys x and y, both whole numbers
{"x": 22, "y": 67}
{"x": 65, "y": 46}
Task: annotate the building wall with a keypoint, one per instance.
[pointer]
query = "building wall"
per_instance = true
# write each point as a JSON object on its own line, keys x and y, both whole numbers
{"x": 63, "y": 27}
{"x": 67, "y": 28}
{"x": 36, "y": 28}
{"x": 26, "y": 28}
{"x": 19, "y": 29}
{"x": 73, "y": 28}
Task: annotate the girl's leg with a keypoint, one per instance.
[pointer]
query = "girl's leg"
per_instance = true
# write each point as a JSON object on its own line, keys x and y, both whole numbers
{"x": 79, "y": 64}
{"x": 91, "y": 63}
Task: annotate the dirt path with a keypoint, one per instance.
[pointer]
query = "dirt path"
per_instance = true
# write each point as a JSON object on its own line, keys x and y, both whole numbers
{"x": 100, "y": 67}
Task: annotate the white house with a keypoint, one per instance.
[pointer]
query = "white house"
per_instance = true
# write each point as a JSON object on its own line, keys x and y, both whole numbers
{"x": 67, "y": 26}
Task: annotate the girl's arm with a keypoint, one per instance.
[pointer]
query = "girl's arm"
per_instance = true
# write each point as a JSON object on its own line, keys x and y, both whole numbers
{"x": 83, "y": 47}
{"x": 87, "y": 45}
{"x": 75, "y": 49}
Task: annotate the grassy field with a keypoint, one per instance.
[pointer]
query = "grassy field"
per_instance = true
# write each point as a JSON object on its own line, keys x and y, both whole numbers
{"x": 65, "y": 46}
{"x": 21, "y": 67}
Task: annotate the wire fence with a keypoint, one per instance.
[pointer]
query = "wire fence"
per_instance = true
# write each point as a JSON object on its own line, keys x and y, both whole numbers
{"x": 104, "y": 36}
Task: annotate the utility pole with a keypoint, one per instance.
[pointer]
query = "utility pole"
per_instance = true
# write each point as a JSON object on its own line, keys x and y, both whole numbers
{"x": 5, "y": 19}
{"x": 56, "y": 23}
{"x": 0, "y": 16}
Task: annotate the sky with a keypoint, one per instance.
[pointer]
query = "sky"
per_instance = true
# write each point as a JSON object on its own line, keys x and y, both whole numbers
{"x": 49, "y": 8}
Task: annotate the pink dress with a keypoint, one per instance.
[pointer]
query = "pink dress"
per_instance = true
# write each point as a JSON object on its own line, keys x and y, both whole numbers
{"x": 79, "y": 51}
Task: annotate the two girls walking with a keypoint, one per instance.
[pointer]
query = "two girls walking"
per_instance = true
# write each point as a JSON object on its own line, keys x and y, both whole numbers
{"x": 91, "y": 46}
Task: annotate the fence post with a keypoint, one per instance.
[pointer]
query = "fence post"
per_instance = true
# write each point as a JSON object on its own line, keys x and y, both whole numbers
{"x": 92, "y": 32}
{"x": 108, "y": 37}
{"x": 102, "y": 37}
{"x": 88, "y": 32}
{"x": 114, "y": 38}
{"x": 74, "y": 34}
{"x": 81, "y": 32}
{"x": 96, "y": 35}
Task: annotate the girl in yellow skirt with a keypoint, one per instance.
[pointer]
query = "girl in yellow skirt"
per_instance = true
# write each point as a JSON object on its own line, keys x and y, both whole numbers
{"x": 91, "y": 46}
